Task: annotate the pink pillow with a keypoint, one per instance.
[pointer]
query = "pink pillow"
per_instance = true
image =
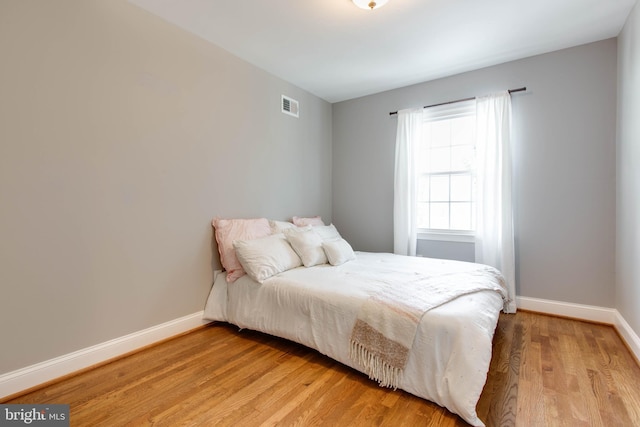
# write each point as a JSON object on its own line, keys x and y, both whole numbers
{"x": 228, "y": 230}
{"x": 303, "y": 222}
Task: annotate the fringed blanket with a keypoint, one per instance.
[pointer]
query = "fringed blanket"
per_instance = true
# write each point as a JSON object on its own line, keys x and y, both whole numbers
{"x": 387, "y": 322}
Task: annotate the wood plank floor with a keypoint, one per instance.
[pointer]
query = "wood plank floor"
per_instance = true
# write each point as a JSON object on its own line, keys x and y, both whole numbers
{"x": 545, "y": 371}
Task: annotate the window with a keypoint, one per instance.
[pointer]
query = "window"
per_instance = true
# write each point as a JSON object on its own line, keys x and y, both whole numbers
{"x": 446, "y": 170}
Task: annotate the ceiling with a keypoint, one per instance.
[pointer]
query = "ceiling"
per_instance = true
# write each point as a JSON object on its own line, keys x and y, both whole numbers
{"x": 337, "y": 51}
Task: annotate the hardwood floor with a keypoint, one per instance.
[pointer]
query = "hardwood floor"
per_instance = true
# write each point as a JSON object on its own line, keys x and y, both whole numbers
{"x": 545, "y": 371}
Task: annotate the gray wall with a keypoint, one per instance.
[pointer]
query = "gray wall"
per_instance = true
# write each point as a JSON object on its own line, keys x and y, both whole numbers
{"x": 628, "y": 167}
{"x": 121, "y": 137}
{"x": 564, "y": 167}
{"x": 461, "y": 251}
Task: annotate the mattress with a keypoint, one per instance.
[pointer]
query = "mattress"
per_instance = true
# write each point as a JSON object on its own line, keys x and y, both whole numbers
{"x": 318, "y": 307}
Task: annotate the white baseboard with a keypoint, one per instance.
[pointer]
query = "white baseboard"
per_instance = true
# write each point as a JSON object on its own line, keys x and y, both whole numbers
{"x": 566, "y": 309}
{"x": 628, "y": 335}
{"x": 40, "y": 373}
{"x": 610, "y": 316}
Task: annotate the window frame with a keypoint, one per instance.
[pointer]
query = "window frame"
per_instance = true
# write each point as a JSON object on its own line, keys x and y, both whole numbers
{"x": 447, "y": 112}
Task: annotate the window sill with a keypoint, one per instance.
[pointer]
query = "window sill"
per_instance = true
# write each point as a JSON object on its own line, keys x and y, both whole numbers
{"x": 445, "y": 236}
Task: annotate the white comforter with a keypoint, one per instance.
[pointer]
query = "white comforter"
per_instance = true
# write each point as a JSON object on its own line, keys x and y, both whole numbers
{"x": 318, "y": 306}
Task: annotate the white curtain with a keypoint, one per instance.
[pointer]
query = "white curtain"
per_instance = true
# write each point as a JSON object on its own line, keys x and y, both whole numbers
{"x": 408, "y": 136}
{"x": 494, "y": 243}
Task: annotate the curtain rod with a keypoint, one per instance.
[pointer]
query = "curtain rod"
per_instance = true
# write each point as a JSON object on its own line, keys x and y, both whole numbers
{"x": 520, "y": 89}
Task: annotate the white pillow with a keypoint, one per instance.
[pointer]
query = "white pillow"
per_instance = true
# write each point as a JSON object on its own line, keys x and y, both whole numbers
{"x": 279, "y": 226}
{"x": 338, "y": 251}
{"x": 307, "y": 244}
{"x": 327, "y": 232}
{"x": 267, "y": 256}
{"x": 304, "y": 221}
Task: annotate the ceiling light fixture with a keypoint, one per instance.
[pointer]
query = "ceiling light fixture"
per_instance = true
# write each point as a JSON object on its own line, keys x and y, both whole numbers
{"x": 369, "y": 4}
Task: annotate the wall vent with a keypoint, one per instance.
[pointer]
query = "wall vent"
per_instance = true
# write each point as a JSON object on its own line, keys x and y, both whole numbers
{"x": 290, "y": 106}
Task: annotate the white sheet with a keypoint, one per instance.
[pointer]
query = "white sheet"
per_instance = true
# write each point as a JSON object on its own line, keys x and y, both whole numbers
{"x": 317, "y": 307}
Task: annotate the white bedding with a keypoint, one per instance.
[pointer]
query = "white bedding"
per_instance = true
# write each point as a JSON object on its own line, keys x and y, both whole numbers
{"x": 318, "y": 306}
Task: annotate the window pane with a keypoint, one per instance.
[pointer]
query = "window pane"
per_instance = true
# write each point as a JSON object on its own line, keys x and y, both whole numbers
{"x": 423, "y": 188}
{"x": 462, "y": 130}
{"x": 461, "y": 188}
{"x": 462, "y": 157}
{"x": 440, "y": 160}
{"x": 423, "y": 215}
{"x": 440, "y": 188}
{"x": 439, "y": 213}
{"x": 440, "y": 133}
{"x": 461, "y": 216}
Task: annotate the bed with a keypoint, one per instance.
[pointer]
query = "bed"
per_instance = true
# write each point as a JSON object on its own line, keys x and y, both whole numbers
{"x": 320, "y": 305}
